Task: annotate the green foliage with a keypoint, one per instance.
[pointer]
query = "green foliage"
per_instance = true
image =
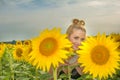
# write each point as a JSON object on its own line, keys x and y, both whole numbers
{"x": 11, "y": 69}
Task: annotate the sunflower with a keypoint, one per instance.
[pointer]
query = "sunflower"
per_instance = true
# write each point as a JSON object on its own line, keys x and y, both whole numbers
{"x": 28, "y": 50}
{"x": 2, "y": 49}
{"x": 9, "y": 46}
{"x": 116, "y": 37}
{"x": 18, "y": 43}
{"x": 18, "y": 53}
{"x": 48, "y": 49}
{"x": 27, "y": 43}
{"x": 98, "y": 56}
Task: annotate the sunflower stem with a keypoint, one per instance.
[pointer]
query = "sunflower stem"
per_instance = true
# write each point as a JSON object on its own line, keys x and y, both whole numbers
{"x": 11, "y": 67}
{"x": 0, "y": 67}
{"x": 55, "y": 73}
{"x": 69, "y": 74}
{"x": 36, "y": 74}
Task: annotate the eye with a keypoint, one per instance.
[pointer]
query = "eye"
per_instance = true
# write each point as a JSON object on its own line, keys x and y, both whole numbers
{"x": 76, "y": 37}
{"x": 82, "y": 39}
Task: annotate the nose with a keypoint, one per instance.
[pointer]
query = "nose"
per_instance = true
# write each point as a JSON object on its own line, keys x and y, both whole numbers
{"x": 78, "y": 42}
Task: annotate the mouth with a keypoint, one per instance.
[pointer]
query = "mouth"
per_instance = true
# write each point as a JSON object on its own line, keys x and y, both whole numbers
{"x": 75, "y": 47}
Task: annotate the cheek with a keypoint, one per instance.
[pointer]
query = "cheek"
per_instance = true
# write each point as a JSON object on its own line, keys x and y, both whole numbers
{"x": 72, "y": 40}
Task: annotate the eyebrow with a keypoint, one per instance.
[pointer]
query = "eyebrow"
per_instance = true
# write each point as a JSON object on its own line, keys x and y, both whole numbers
{"x": 76, "y": 37}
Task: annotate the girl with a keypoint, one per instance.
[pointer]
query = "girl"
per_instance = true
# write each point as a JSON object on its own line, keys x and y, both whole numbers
{"x": 76, "y": 34}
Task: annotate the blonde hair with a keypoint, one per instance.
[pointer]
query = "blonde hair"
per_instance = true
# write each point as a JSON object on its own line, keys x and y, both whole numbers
{"x": 76, "y": 24}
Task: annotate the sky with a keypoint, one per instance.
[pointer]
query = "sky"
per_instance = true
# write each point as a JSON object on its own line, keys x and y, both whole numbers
{"x": 25, "y": 19}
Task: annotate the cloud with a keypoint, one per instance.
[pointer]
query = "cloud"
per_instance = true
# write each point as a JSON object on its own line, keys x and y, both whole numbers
{"x": 16, "y": 2}
{"x": 96, "y": 3}
{"x": 56, "y": 3}
{"x": 24, "y": 23}
{"x": 35, "y": 3}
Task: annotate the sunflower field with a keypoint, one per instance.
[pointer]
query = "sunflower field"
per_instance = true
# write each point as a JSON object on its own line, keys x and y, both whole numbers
{"x": 38, "y": 58}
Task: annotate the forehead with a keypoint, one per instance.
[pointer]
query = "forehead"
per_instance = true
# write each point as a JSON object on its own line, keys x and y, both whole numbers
{"x": 78, "y": 32}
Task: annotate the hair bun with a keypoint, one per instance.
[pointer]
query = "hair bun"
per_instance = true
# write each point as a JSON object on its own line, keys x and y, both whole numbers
{"x": 75, "y": 21}
{"x": 82, "y": 22}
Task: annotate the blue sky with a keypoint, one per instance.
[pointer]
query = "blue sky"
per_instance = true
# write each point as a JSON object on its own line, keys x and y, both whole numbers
{"x": 24, "y": 19}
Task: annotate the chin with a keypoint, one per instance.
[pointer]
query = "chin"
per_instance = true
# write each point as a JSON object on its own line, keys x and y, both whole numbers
{"x": 75, "y": 48}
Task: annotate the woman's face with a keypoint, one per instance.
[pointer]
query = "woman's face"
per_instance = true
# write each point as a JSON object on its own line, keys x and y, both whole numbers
{"x": 77, "y": 37}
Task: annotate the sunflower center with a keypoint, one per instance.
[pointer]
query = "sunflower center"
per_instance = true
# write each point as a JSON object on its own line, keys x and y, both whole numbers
{"x": 100, "y": 55}
{"x": 48, "y": 46}
{"x": 19, "y": 43}
{"x": 19, "y": 52}
{"x": 26, "y": 43}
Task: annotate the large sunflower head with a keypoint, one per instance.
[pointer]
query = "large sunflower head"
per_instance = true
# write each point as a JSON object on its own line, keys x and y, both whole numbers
{"x": 99, "y": 56}
{"x": 48, "y": 49}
